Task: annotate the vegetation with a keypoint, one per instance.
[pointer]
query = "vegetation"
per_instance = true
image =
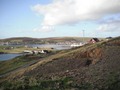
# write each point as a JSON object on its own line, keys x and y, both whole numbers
{"x": 90, "y": 67}
{"x": 7, "y": 66}
{"x": 20, "y": 49}
{"x": 34, "y": 84}
{"x": 21, "y": 62}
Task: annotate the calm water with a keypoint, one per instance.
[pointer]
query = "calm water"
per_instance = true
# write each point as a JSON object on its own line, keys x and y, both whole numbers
{"x": 11, "y": 56}
{"x": 58, "y": 47}
{"x": 8, "y": 56}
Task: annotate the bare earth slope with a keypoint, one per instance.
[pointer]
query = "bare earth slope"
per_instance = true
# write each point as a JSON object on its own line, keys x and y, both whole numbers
{"x": 91, "y": 67}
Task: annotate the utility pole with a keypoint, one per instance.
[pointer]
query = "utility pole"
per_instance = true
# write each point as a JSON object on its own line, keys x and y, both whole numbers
{"x": 83, "y": 35}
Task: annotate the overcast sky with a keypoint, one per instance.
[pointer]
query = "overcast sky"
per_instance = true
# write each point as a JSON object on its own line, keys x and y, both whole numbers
{"x": 57, "y": 18}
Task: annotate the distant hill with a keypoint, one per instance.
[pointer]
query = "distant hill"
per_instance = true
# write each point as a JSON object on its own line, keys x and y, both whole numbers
{"x": 22, "y": 40}
{"x": 90, "y": 67}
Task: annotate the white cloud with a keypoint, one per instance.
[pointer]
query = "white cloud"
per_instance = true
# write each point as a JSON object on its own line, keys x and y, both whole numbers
{"x": 73, "y": 11}
{"x": 109, "y": 27}
{"x": 44, "y": 29}
{"x": 111, "y": 24}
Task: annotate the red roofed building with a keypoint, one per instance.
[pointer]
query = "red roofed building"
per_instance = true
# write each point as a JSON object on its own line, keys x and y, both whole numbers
{"x": 94, "y": 40}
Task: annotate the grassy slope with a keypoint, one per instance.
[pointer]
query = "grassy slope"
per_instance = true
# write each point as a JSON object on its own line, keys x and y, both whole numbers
{"x": 21, "y": 61}
{"x": 87, "y": 68}
{"x": 10, "y": 65}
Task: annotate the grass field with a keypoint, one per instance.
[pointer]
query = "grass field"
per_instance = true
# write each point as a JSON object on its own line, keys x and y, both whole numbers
{"x": 90, "y": 67}
{"x": 8, "y": 49}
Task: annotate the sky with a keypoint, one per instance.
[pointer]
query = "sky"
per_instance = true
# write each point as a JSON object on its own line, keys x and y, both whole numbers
{"x": 59, "y": 18}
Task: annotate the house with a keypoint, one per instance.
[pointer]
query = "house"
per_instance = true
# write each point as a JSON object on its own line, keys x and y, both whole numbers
{"x": 44, "y": 51}
{"x": 35, "y": 52}
{"x": 77, "y": 44}
{"x": 94, "y": 40}
{"x": 108, "y": 38}
{"x": 27, "y": 52}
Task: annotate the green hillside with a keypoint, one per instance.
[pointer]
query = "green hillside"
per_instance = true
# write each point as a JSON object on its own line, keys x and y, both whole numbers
{"x": 90, "y": 67}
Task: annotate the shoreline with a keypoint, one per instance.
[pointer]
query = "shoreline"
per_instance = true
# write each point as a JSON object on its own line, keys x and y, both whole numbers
{"x": 11, "y": 53}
